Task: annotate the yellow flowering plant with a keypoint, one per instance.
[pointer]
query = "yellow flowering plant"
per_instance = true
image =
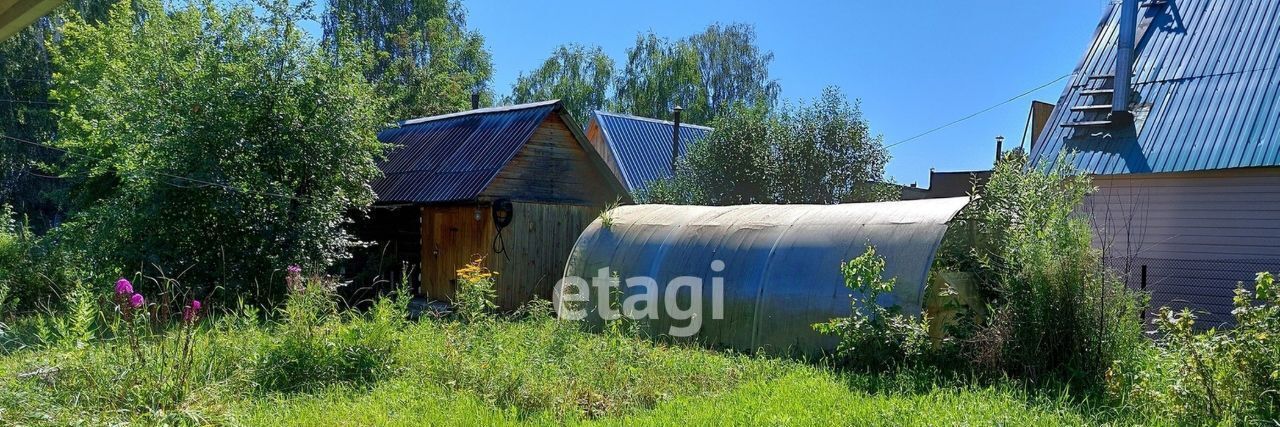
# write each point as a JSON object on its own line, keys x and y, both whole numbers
{"x": 475, "y": 294}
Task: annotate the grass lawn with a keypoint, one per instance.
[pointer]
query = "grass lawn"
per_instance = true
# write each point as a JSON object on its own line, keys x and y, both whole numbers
{"x": 495, "y": 373}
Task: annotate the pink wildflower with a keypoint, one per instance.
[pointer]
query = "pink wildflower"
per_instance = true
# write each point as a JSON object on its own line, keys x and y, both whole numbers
{"x": 137, "y": 301}
{"x": 293, "y": 280}
{"x": 123, "y": 287}
{"x": 192, "y": 312}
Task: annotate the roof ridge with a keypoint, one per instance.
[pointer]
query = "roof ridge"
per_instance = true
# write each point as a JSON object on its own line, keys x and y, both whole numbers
{"x": 649, "y": 119}
{"x": 497, "y": 109}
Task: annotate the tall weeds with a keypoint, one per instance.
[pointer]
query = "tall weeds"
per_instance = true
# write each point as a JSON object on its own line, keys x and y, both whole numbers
{"x": 1057, "y": 313}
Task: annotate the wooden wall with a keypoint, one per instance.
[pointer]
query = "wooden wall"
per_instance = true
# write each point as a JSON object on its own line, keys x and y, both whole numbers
{"x": 537, "y": 245}
{"x": 1198, "y": 233}
{"x": 557, "y": 186}
{"x": 553, "y": 167}
{"x": 595, "y": 135}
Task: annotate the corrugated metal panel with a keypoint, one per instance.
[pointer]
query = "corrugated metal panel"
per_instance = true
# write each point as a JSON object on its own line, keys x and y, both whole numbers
{"x": 642, "y": 146}
{"x": 454, "y": 156}
{"x": 1207, "y": 92}
{"x": 781, "y": 262}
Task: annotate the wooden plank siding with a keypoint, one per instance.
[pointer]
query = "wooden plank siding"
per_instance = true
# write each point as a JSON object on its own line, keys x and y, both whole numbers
{"x": 535, "y": 247}
{"x": 556, "y": 189}
{"x": 595, "y": 135}
{"x": 452, "y": 237}
{"x": 552, "y": 167}
{"x": 1198, "y": 233}
{"x": 538, "y": 243}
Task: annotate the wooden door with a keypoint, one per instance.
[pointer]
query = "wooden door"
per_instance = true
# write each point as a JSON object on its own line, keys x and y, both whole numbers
{"x": 452, "y": 237}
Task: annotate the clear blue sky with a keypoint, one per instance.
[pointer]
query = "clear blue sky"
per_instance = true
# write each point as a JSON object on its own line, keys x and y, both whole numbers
{"x": 914, "y": 64}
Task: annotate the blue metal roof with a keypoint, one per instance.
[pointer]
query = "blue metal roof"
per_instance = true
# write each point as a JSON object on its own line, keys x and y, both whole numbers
{"x": 453, "y": 157}
{"x": 1207, "y": 92}
{"x": 642, "y": 146}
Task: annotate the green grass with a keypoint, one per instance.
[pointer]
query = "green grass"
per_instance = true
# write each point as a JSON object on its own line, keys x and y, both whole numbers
{"x": 503, "y": 373}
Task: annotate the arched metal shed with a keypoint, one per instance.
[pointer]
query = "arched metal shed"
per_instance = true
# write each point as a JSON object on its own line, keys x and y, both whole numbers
{"x": 781, "y": 263}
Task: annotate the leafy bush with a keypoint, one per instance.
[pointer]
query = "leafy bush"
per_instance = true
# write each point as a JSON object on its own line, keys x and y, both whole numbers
{"x": 217, "y": 140}
{"x": 1198, "y": 377}
{"x": 474, "y": 299}
{"x": 1056, "y": 310}
{"x": 317, "y": 346}
{"x": 874, "y": 335}
{"x": 18, "y": 270}
{"x": 822, "y": 152}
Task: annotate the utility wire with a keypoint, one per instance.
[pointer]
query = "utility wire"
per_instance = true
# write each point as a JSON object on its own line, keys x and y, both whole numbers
{"x": 1015, "y": 98}
{"x": 194, "y": 180}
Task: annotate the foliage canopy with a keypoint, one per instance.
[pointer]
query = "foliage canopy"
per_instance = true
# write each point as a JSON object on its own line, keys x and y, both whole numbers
{"x": 218, "y": 143}
{"x": 820, "y": 153}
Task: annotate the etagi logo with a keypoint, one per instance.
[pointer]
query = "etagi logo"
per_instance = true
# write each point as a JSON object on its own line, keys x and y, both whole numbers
{"x": 573, "y": 295}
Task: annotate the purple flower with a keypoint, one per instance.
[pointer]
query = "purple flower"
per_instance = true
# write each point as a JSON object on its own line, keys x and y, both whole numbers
{"x": 191, "y": 312}
{"x": 123, "y": 287}
{"x": 136, "y": 301}
{"x": 294, "y": 269}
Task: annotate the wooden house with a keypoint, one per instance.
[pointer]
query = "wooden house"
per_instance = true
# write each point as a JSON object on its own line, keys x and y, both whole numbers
{"x": 457, "y": 179}
{"x": 1175, "y": 111}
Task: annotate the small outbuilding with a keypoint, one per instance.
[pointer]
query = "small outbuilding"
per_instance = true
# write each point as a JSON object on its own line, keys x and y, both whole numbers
{"x": 514, "y": 184}
{"x": 778, "y": 266}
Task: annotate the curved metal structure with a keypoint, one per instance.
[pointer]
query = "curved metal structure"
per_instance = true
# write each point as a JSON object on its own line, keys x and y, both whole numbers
{"x": 780, "y": 263}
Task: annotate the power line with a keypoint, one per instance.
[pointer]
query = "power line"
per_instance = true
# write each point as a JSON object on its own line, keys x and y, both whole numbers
{"x": 1015, "y": 98}
{"x": 197, "y": 181}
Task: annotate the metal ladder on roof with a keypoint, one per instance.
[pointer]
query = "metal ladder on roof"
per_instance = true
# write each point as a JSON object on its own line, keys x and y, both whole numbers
{"x": 1097, "y": 113}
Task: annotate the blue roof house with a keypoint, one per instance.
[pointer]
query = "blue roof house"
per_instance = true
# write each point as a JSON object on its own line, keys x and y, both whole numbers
{"x": 638, "y": 150}
{"x": 1175, "y": 110}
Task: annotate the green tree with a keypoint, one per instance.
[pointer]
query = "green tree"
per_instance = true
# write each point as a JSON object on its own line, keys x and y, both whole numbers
{"x": 705, "y": 74}
{"x": 827, "y": 154}
{"x": 428, "y": 62}
{"x": 25, "y": 114}
{"x": 576, "y": 75}
{"x": 657, "y": 76}
{"x": 216, "y": 142}
{"x": 820, "y": 152}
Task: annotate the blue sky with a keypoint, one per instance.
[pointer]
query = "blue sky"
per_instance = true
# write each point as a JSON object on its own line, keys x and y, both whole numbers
{"x": 915, "y": 65}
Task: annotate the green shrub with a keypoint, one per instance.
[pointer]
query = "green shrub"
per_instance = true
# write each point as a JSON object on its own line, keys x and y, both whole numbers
{"x": 819, "y": 152}
{"x": 19, "y": 274}
{"x": 243, "y": 147}
{"x": 1056, "y": 311}
{"x": 1199, "y": 377}
{"x": 874, "y": 335}
{"x": 316, "y": 346}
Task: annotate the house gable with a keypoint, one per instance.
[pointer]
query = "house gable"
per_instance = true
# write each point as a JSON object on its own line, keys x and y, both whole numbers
{"x": 553, "y": 166}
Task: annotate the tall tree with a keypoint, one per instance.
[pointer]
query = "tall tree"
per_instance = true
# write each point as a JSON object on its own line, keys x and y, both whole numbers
{"x": 705, "y": 74}
{"x": 577, "y": 75}
{"x": 659, "y": 75}
{"x": 428, "y": 62}
{"x": 25, "y": 114}
{"x": 733, "y": 68}
{"x": 820, "y": 152}
{"x": 242, "y": 147}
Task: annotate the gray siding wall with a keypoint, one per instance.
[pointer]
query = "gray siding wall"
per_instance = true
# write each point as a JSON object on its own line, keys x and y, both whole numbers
{"x": 1198, "y": 233}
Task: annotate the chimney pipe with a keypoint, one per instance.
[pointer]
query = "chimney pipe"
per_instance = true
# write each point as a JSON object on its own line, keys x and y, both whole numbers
{"x": 475, "y": 100}
{"x": 999, "y": 147}
{"x": 1123, "y": 82}
{"x": 675, "y": 137}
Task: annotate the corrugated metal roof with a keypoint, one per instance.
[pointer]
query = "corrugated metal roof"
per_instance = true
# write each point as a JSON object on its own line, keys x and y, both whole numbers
{"x": 642, "y": 146}
{"x": 781, "y": 271}
{"x": 454, "y": 156}
{"x": 1207, "y": 92}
